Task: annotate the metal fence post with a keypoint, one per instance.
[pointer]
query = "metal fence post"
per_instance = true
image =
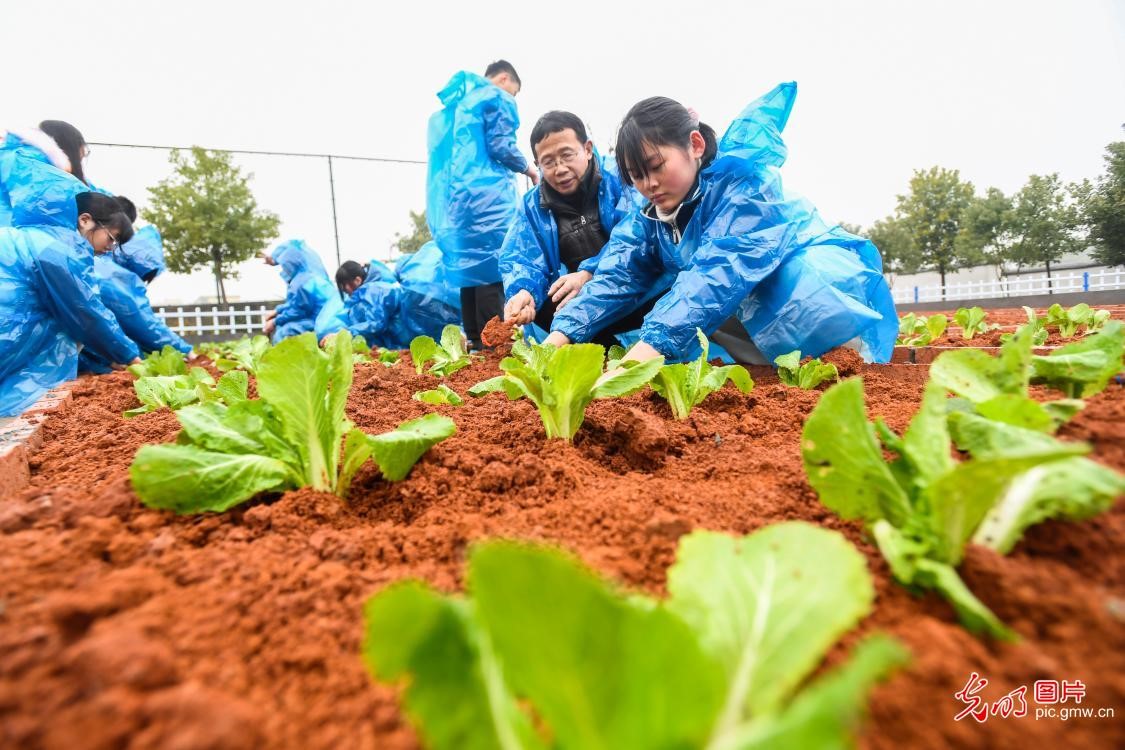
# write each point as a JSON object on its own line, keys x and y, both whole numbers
{"x": 335, "y": 228}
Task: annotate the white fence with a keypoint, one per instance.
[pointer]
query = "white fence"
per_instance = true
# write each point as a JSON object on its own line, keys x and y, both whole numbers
{"x": 234, "y": 320}
{"x": 215, "y": 320}
{"x": 1059, "y": 283}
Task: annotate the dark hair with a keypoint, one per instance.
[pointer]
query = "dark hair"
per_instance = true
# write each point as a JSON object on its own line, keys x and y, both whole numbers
{"x": 70, "y": 141}
{"x": 105, "y": 210}
{"x": 347, "y": 271}
{"x": 555, "y": 122}
{"x": 658, "y": 121}
{"x": 502, "y": 66}
{"x": 128, "y": 207}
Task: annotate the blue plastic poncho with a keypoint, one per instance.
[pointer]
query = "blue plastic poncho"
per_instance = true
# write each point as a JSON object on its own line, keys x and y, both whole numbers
{"x": 529, "y": 257}
{"x": 49, "y": 301}
{"x": 423, "y": 273}
{"x": 122, "y": 290}
{"x": 750, "y": 250}
{"x": 308, "y": 291}
{"x": 471, "y": 187}
{"x": 33, "y": 191}
{"x": 390, "y": 314}
{"x": 381, "y": 271}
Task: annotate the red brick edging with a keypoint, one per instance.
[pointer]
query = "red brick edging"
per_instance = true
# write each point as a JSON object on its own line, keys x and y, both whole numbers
{"x": 22, "y": 435}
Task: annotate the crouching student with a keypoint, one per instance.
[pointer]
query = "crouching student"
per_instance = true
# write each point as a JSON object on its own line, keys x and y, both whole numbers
{"x": 308, "y": 290}
{"x": 122, "y": 279}
{"x": 48, "y": 294}
{"x": 561, "y": 228}
{"x": 389, "y": 308}
{"x": 755, "y": 268}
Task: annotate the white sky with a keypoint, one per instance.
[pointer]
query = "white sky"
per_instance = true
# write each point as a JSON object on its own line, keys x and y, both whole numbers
{"x": 998, "y": 90}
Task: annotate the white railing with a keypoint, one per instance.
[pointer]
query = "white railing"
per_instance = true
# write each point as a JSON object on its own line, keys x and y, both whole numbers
{"x": 1059, "y": 283}
{"x": 214, "y": 320}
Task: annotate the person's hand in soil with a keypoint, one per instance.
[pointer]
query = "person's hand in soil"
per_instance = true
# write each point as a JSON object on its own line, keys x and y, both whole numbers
{"x": 192, "y": 355}
{"x": 520, "y": 308}
{"x": 567, "y": 287}
{"x": 324, "y": 342}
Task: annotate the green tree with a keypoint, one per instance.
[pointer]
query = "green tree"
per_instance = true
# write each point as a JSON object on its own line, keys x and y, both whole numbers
{"x": 984, "y": 229}
{"x": 420, "y": 235}
{"x": 1044, "y": 223}
{"x": 207, "y": 216}
{"x": 1104, "y": 208}
{"x": 932, "y": 213}
{"x": 895, "y": 244}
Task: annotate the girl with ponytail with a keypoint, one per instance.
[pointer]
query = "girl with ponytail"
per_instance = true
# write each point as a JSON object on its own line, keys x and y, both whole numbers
{"x": 752, "y": 266}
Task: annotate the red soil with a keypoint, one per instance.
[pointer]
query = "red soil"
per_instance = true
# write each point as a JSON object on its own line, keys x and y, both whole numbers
{"x": 123, "y": 627}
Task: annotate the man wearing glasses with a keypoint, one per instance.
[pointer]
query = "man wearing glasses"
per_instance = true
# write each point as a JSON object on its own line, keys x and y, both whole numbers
{"x": 562, "y": 227}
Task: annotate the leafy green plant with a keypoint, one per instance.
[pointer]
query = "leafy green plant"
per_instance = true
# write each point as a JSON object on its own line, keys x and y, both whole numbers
{"x": 997, "y": 387}
{"x": 545, "y": 653}
{"x": 166, "y": 362}
{"x": 1097, "y": 321}
{"x": 919, "y": 330}
{"x": 288, "y": 438}
{"x": 971, "y": 320}
{"x": 685, "y": 385}
{"x": 448, "y": 357}
{"x": 922, "y": 507}
{"x": 1083, "y": 368}
{"x": 1068, "y": 320}
{"x": 1072, "y": 489}
{"x": 388, "y": 357}
{"x": 805, "y": 376}
{"x": 443, "y": 394}
{"x": 562, "y": 381}
{"x": 168, "y": 391}
{"x": 177, "y": 391}
{"x": 1039, "y": 328}
{"x": 244, "y": 353}
{"x": 614, "y": 355}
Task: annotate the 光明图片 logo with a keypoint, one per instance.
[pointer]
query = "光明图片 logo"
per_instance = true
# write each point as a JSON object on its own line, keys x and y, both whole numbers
{"x": 1052, "y": 699}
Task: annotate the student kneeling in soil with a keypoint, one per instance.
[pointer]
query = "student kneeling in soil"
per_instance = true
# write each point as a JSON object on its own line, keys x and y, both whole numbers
{"x": 562, "y": 226}
{"x": 308, "y": 290}
{"x": 389, "y": 308}
{"x": 755, "y": 268}
{"x": 49, "y": 299}
{"x": 122, "y": 279}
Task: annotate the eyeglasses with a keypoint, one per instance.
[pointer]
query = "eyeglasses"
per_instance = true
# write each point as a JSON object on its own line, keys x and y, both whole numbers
{"x": 113, "y": 243}
{"x": 566, "y": 157}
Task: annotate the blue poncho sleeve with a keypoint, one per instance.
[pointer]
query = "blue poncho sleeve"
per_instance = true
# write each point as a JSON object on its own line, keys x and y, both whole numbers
{"x": 67, "y": 289}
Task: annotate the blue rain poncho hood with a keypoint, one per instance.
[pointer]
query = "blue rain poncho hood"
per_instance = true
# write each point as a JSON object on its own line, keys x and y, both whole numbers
{"x": 751, "y": 250}
{"x": 294, "y": 257}
{"x": 308, "y": 290}
{"x": 36, "y": 187}
{"x": 144, "y": 254}
{"x": 471, "y": 187}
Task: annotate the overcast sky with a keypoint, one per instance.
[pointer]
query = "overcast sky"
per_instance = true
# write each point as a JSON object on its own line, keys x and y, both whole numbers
{"x": 999, "y": 90}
